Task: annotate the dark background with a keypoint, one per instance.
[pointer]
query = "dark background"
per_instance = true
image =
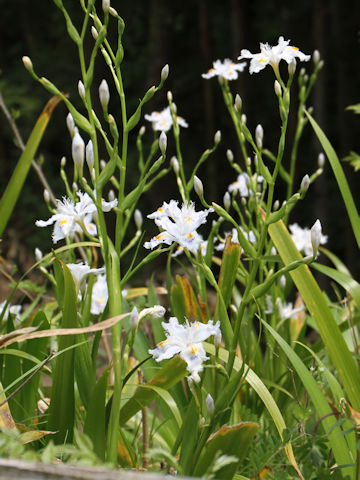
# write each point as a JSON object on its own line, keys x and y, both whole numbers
{"x": 188, "y": 35}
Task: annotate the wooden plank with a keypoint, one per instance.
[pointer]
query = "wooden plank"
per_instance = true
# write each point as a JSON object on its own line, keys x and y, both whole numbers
{"x": 13, "y": 469}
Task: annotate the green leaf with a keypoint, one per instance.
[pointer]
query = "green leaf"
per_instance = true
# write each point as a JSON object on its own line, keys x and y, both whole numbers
{"x": 340, "y": 178}
{"x": 94, "y": 425}
{"x": 328, "y": 420}
{"x": 231, "y": 440}
{"x": 16, "y": 182}
{"x": 320, "y": 312}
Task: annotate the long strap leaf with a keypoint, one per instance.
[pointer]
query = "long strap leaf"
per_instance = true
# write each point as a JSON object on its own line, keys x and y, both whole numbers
{"x": 340, "y": 178}
{"x": 13, "y": 189}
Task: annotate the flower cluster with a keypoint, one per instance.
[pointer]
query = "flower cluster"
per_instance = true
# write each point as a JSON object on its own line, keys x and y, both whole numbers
{"x": 162, "y": 121}
{"x": 226, "y": 69}
{"x": 186, "y": 340}
{"x": 178, "y": 225}
{"x": 273, "y": 55}
{"x": 71, "y": 217}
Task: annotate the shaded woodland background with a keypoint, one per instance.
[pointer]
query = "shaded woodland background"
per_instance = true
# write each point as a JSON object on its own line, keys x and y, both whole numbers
{"x": 188, "y": 35}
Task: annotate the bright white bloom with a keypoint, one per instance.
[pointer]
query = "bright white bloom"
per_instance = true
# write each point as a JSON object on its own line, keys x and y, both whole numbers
{"x": 162, "y": 121}
{"x": 286, "y": 310}
{"x": 242, "y": 184}
{"x": 273, "y": 55}
{"x": 10, "y": 309}
{"x": 178, "y": 225}
{"x": 80, "y": 270}
{"x": 302, "y": 238}
{"x": 226, "y": 69}
{"x": 71, "y": 216}
{"x": 99, "y": 296}
{"x": 249, "y": 235}
{"x": 186, "y": 340}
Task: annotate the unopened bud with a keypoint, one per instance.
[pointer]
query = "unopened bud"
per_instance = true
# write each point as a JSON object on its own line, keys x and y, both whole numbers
{"x": 81, "y": 90}
{"x": 302, "y": 71}
{"x": 70, "y": 124}
{"x": 142, "y": 131}
{"x": 27, "y": 63}
{"x": 210, "y": 404}
{"x": 89, "y": 155}
{"x": 134, "y": 319}
{"x": 38, "y": 254}
{"x": 138, "y": 219}
{"x": 259, "y": 136}
{"x": 282, "y": 281}
{"x": 243, "y": 118}
{"x": 94, "y": 32}
{"x": 217, "y": 137}
{"x": 106, "y": 5}
{"x": 164, "y": 73}
{"x": 46, "y": 196}
{"x": 113, "y": 12}
{"x": 174, "y": 108}
{"x": 229, "y": 155}
{"x": 321, "y": 64}
{"x": 163, "y": 142}
{"x": 169, "y": 96}
{"x": 316, "y": 236}
{"x": 276, "y": 205}
{"x": 238, "y": 103}
{"x": 217, "y": 340}
{"x": 277, "y": 89}
{"x": 306, "y": 78}
{"x": 305, "y": 183}
{"x": 62, "y": 162}
{"x": 78, "y": 150}
{"x": 227, "y": 201}
{"x": 292, "y": 67}
{"x": 310, "y": 110}
{"x": 321, "y": 160}
{"x": 316, "y": 57}
{"x": 111, "y": 195}
{"x": 273, "y": 251}
{"x": 175, "y": 165}
{"x": 198, "y": 186}
{"x": 102, "y": 164}
{"x": 75, "y": 187}
{"x": 104, "y": 94}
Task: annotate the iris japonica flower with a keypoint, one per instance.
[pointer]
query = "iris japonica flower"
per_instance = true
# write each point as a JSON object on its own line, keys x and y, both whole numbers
{"x": 186, "y": 340}
{"x": 162, "y": 121}
{"x": 71, "y": 217}
{"x": 80, "y": 270}
{"x": 302, "y": 238}
{"x": 242, "y": 184}
{"x": 226, "y": 69}
{"x": 178, "y": 225}
{"x": 286, "y": 310}
{"x": 99, "y": 296}
{"x": 273, "y": 55}
{"x": 10, "y": 310}
{"x": 249, "y": 235}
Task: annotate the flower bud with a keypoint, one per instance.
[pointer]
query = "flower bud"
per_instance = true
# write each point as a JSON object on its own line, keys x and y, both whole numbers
{"x": 163, "y": 142}
{"x": 75, "y": 187}
{"x": 111, "y": 195}
{"x": 169, "y": 96}
{"x": 276, "y": 205}
{"x": 273, "y": 251}
{"x": 198, "y": 186}
{"x": 104, "y": 94}
{"x": 292, "y": 67}
{"x": 321, "y": 160}
{"x": 243, "y": 118}
{"x": 113, "y": 12}
{"x": 138, "y": 219}
{"x": 227, "y": 201}
{"x": 282, "y": 281}
{"x": 259, "y": 136}
{"x": 27, "y": 63}
{"x": 38, "y": 254}
{"x": 217, "y": 339}
{"x": 164, "y": 73}
{"x": 157, "y": 311}
{"x": 229, "y": 155}
{"x": 210, "y": 404}
{"x": 316, "y": 57}
{"x": 217, "y": 137}
{"x": 78, "y": 150}
{"x": 321, "y": 64}
{"x": 302, "y": 71}
{"x": 315, "y": 236}
{"x": 277, "y": 89}
{"x": 94, "y": 32}
{"x": 46, "y": 196}
{"x": 62, "y": 162}
{"x": 105, "y": 5}
{"x": 134, "y": 319}
{"x": 238, "y": 103}
{"x": 305, "y": 183}
{"x": 70, "y": 124}
{"x": 89, "y": 155}
{"x": 142, "y": 131}
{"x": 81, "y": 90}
{"x": 175, "y": 165}
{"x": 102, "y": 164}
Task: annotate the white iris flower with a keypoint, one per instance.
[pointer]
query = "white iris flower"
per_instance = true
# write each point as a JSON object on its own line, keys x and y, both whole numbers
{"x": 242, "y": 184}
{"x": 162, "y": 121}
{"x": 302, "y": 238}
{"x": 273, "y": 55}
{"x": 10, "y": 310}
{"x": 80, "y": 270}
{"x": 226, "y": 69}
{"x": 178, "y": 225}
{"x": 100, "y": 295}
{"x": 186, "y": 340}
